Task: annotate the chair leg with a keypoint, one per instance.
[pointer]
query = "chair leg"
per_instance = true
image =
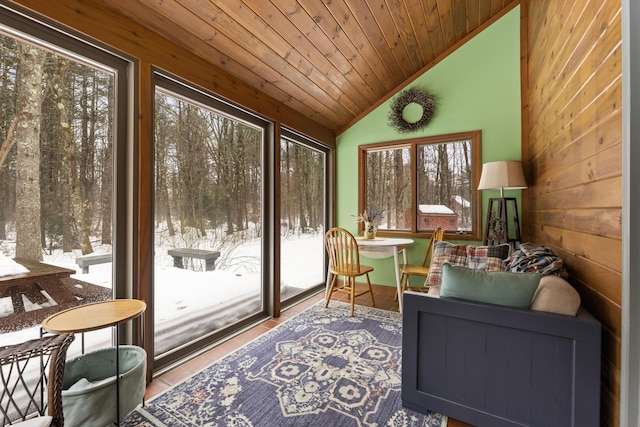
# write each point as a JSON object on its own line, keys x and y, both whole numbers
{"x": 352, "y": 281}
{"x": 373, "y": 301}
{"x": 333, "y": 283}
{"x": 403, "y": 284}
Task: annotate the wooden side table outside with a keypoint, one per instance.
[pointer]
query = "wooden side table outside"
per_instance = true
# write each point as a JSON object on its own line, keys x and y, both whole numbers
{"x": 40, "y": 276}
{"x": 96, "y": 316}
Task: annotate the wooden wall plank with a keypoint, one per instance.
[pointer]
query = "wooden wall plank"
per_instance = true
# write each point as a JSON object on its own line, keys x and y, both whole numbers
{"x": 322, "y": 31}
{"x": 573, "y": 157}
{"x": 394, "y": 13}
{"x": 436, "y": 36}
{"x": 281, "y": 49}
{"x": 271, "y": 85}
{"x": 473, "y": 14}
{"x": 601, "y": 250}
{"x": 459, "y": 18}
{"x": 345, "y": 11}
{"x": 587, "y": 195}
{"x": 249, "y": 49}
{"x": 598, "y": 221}
{"x": 484, "y": 11}
{"x": 445, "y": 9}
{"x": 583, "y": 140}
{"x": 420, "y": 27}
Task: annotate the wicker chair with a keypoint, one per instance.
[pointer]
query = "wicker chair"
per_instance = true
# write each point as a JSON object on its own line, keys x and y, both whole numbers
{"x": 31, "y": 376}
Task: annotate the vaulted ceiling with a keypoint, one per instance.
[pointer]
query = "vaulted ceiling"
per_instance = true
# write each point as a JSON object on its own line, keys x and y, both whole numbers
{"x": 332, "y": 60}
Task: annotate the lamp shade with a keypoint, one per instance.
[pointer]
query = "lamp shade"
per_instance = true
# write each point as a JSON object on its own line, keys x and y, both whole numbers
{"x": 502, "y": 175}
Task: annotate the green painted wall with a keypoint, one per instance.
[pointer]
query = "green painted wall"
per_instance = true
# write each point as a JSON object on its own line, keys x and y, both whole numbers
{"x": 477, "y": 87}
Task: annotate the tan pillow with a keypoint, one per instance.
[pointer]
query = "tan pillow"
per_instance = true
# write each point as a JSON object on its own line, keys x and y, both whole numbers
{"x": 556, "y": 295}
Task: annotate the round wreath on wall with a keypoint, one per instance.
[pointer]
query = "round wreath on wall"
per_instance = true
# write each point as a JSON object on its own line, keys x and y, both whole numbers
{"x": 412, "y": 95}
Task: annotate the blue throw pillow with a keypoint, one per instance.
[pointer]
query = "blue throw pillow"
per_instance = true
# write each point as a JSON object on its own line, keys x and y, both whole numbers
{"x": 493, "y": 287}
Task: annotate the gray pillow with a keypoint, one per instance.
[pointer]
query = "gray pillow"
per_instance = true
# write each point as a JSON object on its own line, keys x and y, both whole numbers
{"x": 493, "y": 287}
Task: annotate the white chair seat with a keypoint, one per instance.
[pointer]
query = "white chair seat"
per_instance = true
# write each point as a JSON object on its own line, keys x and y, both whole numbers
{"x": 35, "y": 422}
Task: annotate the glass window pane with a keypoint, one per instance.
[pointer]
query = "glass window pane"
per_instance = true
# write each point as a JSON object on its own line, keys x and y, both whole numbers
{"x": 56, "y": 171}
{"x": 423, "y": 183}
{"x": 302, "y": 193}
{"x": 208, "y": 220}
{"x": 388, "y": 187}
{"x": 445, "y": 186}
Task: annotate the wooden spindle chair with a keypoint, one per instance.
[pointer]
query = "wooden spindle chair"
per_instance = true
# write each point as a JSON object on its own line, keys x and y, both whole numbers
{"x": 344, "y": 260}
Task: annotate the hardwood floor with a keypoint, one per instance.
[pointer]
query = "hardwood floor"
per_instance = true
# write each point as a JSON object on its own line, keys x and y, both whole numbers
{"x": 384, "y": 297}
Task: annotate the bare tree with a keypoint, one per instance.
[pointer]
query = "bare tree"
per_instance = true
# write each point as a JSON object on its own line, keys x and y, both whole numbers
{"x": 27, "y": 137}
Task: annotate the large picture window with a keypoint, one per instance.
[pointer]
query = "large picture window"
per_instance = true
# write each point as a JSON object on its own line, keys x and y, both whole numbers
{"x": 303, "y": 194}
{"x": 209, "y": 222}
{"x": 63, "y": 139}
{"x": 424, "y": 183}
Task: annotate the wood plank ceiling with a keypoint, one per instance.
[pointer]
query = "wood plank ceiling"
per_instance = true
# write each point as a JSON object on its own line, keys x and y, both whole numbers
{"x": 332, "y": 60}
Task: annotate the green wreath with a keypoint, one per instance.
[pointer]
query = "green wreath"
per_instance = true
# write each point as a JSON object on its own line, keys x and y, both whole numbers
{"x": 411, "y": 95}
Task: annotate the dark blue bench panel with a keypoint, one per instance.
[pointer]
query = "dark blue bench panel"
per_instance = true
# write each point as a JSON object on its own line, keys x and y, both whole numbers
{"x": 496, "y": 366}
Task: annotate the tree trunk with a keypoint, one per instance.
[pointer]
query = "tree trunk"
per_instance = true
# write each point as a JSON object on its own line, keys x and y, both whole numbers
{"x": 106, "y": 195}
{"x": 82, "y": 197}
{"x": 27, "y": 137}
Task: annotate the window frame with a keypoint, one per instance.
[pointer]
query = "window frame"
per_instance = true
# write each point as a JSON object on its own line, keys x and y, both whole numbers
{"x": 412, "y": 144}
{"x": 15, "y": 21}
{"x": 312, "y": 144}
{"x": 187, "y": 91}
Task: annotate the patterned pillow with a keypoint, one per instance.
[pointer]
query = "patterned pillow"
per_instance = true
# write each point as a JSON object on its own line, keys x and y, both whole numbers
{"x": 445, "y": 252}
{"x": 485, "y": 263}
{"x": 487, "y": 258}
{"x": 498, "y": 251}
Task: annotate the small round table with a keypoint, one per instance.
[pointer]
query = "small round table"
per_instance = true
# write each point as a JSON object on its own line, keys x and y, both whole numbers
{"x": 91, "y": 317}
{"x": 384, "y": 247}
{"x": 99, "y": 315}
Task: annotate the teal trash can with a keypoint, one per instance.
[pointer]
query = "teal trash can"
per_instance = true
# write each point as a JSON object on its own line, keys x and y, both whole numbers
{"x": 89, "y": 385}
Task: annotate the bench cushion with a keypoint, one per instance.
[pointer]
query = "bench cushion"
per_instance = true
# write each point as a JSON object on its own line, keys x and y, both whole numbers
{"x": 493, "y": 287}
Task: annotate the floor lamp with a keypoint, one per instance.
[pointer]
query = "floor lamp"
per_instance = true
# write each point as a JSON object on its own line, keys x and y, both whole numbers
{"x": 502, "y": 175}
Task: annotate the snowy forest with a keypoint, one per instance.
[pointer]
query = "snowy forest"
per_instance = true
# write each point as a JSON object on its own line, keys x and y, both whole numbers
{"x": 57, "y": 165}
{"x": 56, "y": 153}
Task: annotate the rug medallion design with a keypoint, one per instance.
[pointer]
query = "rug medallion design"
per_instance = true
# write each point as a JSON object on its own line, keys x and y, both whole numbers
{"x": 320, "y": 368}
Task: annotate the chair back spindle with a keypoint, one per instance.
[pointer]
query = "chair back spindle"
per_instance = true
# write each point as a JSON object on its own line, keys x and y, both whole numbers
{"x": 29, "y": 370}
{"x": 344, "y": 260}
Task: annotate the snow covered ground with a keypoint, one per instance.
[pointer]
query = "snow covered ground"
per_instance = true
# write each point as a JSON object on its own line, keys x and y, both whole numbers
{"x": 191, "y": 302}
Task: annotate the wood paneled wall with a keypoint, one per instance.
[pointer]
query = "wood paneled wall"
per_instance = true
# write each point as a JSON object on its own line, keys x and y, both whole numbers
{"x": 572, "y": 152}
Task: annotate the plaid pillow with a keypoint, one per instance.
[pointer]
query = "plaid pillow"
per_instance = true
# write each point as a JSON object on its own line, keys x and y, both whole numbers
{"x": 487, "y": 258}
{"x": 455, "y": 255}
{"x": 498, "y": 251}
{"x": 485, "y": 263}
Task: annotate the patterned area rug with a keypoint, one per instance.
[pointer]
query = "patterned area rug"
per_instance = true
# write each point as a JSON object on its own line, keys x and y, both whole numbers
{"x": 321, "y": 368}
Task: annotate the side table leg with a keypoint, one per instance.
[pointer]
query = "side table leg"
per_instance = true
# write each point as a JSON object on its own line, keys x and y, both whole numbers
{"x": 117, "y": 374}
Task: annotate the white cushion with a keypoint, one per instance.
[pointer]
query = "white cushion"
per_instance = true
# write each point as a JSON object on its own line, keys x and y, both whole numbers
{"x": 35, "y": 422}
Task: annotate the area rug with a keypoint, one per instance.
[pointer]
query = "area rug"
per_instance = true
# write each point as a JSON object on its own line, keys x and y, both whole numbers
{"x": 321, "y": 368}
